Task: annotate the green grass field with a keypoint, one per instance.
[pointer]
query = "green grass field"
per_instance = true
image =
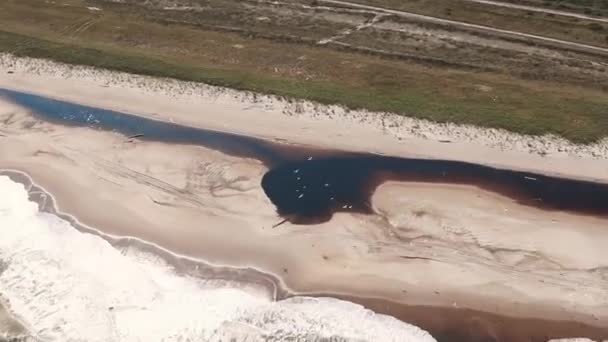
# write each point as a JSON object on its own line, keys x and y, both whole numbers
{"x": 128, "y": 40}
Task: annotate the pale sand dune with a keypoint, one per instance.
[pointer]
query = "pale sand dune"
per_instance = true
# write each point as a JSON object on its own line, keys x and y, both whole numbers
{"x": 439, "y": 245}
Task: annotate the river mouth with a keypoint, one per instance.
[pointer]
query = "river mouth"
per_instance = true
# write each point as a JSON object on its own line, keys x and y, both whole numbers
{"x": 308, "y": 185}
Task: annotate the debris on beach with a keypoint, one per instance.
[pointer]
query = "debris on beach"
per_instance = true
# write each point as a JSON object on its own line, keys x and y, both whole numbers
{"x": 280, "y": 223}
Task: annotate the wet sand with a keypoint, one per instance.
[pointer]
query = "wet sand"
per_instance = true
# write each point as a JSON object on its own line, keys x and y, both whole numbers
{"x": 463, "y": 325}
{"x": 434, "y": 245}
{"x": 9, "y": 326}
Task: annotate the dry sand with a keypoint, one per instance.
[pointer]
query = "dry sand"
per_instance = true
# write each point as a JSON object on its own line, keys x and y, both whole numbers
{"x": 452, "y": 246}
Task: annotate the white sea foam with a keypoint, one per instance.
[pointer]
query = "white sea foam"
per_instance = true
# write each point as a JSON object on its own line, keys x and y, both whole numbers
{"x": 69, "y": 286}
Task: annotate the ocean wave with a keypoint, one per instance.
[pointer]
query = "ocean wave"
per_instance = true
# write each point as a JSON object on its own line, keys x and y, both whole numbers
{"x": 65, "y": 285}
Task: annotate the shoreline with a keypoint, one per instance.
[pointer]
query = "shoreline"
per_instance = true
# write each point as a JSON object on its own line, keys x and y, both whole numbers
{"x": 230, "y": 278}
{"x": 183, "y": 264}
{"x": 263, "y": 116}
{"x": 455, "y": 324}
{"x": 351, "y": 254}
{"x": 10, "y": 326}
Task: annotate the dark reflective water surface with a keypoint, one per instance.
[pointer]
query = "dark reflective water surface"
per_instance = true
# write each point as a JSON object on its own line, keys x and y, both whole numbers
{"x": 308, "y": 185}
{"x": 71, "y": 114}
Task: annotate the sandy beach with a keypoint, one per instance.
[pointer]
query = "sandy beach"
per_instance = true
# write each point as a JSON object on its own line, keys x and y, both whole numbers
{"x": 428, "y": 244}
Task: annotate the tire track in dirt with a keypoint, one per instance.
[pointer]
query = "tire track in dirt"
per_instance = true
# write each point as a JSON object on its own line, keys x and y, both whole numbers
{"x": 378, "y": 10}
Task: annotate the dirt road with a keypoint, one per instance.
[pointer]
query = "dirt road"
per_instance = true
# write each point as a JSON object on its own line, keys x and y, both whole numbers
{"x": 421, "y": 17}
{"x": 541, "y": 10}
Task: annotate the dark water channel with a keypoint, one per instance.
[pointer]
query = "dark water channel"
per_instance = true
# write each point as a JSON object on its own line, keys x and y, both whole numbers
{"x": 309, "y": 185}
